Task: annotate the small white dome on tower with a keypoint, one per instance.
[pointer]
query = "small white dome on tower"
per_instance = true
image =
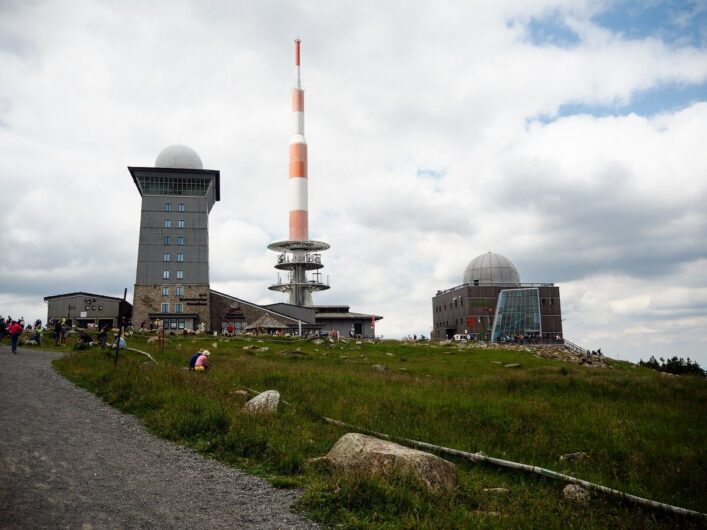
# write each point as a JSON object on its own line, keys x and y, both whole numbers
{"x": 491, "y": 268}
{"x": 179, "y": 157}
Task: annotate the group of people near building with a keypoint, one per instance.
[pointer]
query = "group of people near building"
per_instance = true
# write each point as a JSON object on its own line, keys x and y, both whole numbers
{"x": 15, "y": 329}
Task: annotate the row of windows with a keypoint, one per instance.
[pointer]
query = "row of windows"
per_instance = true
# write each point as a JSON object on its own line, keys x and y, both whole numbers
{"x": 93, "y": 308}
{"x": 480, "y": 319}
{"x": 168, "y": 223}
{"x": 178, "y": 308}
{"x": 179, "y": 241}
{"x": 171, "y": 186}
{"x": 168, "y": 207}
{"x": 168, "y": 257}
{"x": 459, "y": 301}
{"x": 165, "y": 275}
{"x": 178, "y": 290}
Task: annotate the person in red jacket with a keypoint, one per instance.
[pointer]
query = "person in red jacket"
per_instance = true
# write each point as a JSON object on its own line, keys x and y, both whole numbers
{"x": 15, "y": 330}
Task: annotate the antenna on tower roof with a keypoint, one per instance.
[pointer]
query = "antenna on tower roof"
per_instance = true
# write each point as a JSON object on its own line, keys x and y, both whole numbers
{"x": 297, "y": 61}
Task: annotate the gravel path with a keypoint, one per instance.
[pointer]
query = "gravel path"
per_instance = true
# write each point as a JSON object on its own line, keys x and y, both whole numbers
{"x": 68, "y": 460}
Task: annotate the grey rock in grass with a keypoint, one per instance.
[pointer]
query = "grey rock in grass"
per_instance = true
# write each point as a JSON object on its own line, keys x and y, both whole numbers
{"x": 379, "y": 367}
{"x": 496, "y": 362}
{"x": 317, "y": 341}
{"x": 389, "y": 354}
{"x": 264, "y": 403}
{"x": 575, "y": 492}
{"x": 580, "y": 455}
{"x": 358, "y": 454}
{"x": 512, "y": 365}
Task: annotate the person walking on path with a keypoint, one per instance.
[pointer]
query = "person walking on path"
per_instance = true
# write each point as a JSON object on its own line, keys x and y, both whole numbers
{"x": 15, "y": 331}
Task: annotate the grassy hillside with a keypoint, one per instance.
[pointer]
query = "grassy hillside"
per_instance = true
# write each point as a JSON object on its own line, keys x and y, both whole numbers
{"x": 644, "y": 433}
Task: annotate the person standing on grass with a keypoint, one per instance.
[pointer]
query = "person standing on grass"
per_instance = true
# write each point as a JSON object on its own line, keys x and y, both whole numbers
{"x": 57, "y": 332}
{"x": 3, "y": 329}
{"x": 15, "y": 331}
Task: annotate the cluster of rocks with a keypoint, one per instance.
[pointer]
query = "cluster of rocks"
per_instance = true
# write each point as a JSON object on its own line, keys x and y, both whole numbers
{"x": 544, "y": 351}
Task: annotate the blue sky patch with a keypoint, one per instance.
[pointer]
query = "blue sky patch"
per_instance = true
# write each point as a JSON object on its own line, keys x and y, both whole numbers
{"x": 430, "y": 173}
{"x": 677, "y": 22}
{"x": 552, "y": 30}
{"x": 663, "y": 98}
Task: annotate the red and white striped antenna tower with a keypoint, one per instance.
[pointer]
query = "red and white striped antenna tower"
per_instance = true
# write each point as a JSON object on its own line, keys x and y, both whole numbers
{"x": 299, "y": 254}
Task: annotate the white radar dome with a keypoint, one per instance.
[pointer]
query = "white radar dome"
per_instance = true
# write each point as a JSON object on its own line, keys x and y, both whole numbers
{"x": 179, "y": 157}
{"x": 491, "y": 268}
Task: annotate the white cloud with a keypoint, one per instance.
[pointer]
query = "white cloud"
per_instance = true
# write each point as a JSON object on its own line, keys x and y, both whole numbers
{"x": 610, "y": 208}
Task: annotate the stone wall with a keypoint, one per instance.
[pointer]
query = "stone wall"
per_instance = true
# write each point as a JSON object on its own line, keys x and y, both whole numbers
{"x": 148, "y": 300}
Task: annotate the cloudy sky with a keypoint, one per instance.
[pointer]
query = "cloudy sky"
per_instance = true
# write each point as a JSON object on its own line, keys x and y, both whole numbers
{"x": 570, "y": 136}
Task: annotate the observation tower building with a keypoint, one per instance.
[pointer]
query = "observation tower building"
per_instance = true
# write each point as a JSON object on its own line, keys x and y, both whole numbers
{"x": 299, "y": 257}
{"x": 172, "y": 279}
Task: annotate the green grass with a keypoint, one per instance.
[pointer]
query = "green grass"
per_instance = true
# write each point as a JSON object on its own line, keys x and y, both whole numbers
{"x": 645, "y": 433}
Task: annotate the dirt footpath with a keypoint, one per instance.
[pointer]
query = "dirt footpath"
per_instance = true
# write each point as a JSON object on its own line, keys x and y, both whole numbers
{"x": 67, "y": 460}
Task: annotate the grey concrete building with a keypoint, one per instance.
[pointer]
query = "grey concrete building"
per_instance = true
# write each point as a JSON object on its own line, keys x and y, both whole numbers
{"x": 172, "y": 279}
{"x": 492, "y": 304}
{"x": 83, "y": 309}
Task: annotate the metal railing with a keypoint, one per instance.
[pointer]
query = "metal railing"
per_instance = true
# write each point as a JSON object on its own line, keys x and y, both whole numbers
{"x": 504, "y": 285}
{"x": 571, "y": 346}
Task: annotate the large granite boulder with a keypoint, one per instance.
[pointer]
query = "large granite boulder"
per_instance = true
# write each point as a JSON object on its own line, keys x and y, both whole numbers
{"x": 360, "y": 454}
{"x": 264, "y": 403}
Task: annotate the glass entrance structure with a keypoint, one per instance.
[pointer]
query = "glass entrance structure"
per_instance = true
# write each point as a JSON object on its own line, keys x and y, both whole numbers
{"x": 517, "y": 314}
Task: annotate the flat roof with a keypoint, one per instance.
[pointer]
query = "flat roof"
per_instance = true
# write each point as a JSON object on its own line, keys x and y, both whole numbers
{"x": 213, "y": 172}
{"x": 83, "y": 293}
{"x": 346, "y": 316}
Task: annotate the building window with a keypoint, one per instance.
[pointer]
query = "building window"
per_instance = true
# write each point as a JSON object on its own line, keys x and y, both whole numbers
{"x": 180, "y": 323}
{"x": 166, "y": 256}
{"x": 165, "y": 291}
{"x": 168, "y": 223}
{"x": 167, "y": 240}
{"x": 551, "y": 300}
{"x": 177, "y": 308}
{"x": 100, "y": 308}
{"x": 180, "y": 256}
{"x": 165, "y": 308}
{"x": 180, "y": 275}
{"x": 180, "y": 207}
{"x": 180, "y": 241}
{"x": 180, "y": 223}
{"x": 165, "y": 275}
{"x": 168, "y": 207}
{"x": 179, "y": 291}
